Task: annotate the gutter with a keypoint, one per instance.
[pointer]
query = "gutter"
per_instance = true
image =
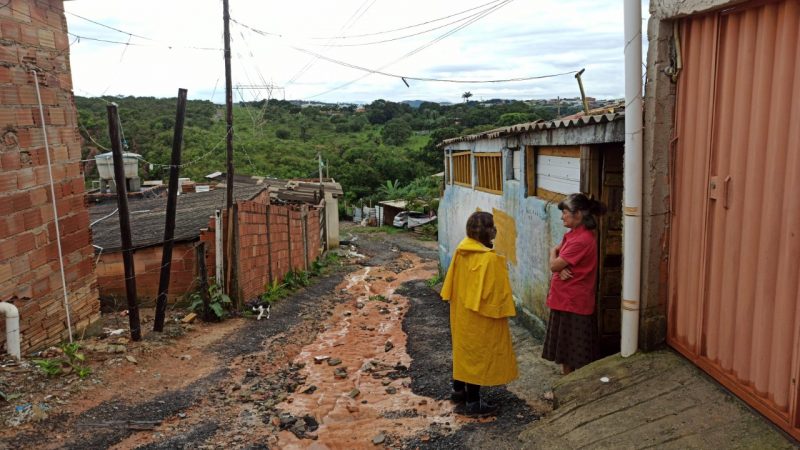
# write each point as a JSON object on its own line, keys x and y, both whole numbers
{"x": 632, "y": 201}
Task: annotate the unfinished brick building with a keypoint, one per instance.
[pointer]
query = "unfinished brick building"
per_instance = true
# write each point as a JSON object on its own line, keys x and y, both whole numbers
{"x": 33, "y": 36}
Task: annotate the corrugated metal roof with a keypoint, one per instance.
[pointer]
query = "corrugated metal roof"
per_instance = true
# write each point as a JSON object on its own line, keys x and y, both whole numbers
{"x": 148, "y": 217}
{"x": 539, "y": 125}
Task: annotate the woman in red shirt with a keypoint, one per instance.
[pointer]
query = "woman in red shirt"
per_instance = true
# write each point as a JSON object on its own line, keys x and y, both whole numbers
{"x": 571, "y": 338}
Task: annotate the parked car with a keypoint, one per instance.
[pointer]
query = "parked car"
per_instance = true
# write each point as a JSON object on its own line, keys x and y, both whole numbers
{"x": 412, "y": 219}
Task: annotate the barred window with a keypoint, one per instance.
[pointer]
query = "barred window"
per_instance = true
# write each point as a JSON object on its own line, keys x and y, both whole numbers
{"x": 462, "y": 169}
{"x": 489, "y": 167}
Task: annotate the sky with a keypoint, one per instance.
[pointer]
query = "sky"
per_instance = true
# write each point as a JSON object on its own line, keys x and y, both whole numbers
{"x": 326, "y": 50}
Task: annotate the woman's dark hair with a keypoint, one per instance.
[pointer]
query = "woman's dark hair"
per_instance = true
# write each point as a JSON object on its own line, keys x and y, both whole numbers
{"x": 479, "y": 227}
{"x": 588, "y": 207}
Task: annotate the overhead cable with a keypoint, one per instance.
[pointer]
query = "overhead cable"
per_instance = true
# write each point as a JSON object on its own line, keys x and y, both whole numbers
{"x": 408, "y": 77}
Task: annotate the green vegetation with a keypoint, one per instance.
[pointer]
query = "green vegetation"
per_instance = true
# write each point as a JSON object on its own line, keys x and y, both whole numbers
{"x": 218, "y": 301}
{"x": 297, "y": 279}
{"x": 71, "y": 362}
{"x": 386, "y": 142}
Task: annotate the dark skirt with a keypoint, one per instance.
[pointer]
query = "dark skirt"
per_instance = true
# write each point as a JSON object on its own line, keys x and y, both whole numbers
{"x": 571, "y": 339}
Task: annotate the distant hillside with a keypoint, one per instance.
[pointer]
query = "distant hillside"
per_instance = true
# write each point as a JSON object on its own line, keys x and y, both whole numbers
{"x": 363, "y": 149}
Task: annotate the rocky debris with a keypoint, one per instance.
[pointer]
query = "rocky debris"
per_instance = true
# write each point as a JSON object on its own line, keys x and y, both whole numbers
{"x": 301, "y": 427}
{"x": 320, "y": 359}
{"x": 391, "y": 390}
{"x": 359, "y": 305}
{"x": 384, "y": 311}
{"x": 379, "y": 439}
{"x": 354, "y": 393}
{"x": 310, "y": 389}
{"x": 340, "y": 373}
{"x": 334, "y": 361}
{"x": 388, "y": 346}
{"x": 131, "y": 359}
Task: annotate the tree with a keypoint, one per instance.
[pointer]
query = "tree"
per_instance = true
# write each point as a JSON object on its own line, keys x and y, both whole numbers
{"x": 466, "y": 96}
{"x": 391, "y": 190}
{"x": 396, "y": 132}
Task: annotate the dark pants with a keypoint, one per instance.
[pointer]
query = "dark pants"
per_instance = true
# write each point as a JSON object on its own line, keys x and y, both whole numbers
{"x": 473, "y": 390}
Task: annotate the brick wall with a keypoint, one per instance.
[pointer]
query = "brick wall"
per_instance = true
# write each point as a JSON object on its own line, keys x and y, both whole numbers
{"x": 265, "y": 253}
{"x": 33, "y": 35}
{"x": 147, "y": 262}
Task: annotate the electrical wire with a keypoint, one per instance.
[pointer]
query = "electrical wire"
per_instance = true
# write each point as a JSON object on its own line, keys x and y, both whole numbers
{"x": 107, "y": 26}
{"x": 418, "y": 49}
{"x": 408, "y": 77}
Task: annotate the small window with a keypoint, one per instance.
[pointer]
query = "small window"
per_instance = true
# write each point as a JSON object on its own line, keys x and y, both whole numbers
{"x": 489, "y": 172}
{"x": 513, "y": 162}
{"x": 558, "y": 172}
{"x": 462, "y": 169}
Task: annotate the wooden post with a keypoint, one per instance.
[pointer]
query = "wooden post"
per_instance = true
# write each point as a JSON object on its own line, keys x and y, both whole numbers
{"x": 269, "y": 246}
{"x": 124, "y": 222}
{"x": 229, "y": 198}
{"x": 200, "y": 255}
{"x": 304, "y": 216}
{"x": 172, "y": 206}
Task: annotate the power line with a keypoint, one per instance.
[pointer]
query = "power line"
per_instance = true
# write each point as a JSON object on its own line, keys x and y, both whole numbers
{"x": 108, "y": 26}
{"x": 349, "y": 23}
{"x": 383, "y": 41}
{"x": 407, "y": 77}
{"x": 418, "y": 49}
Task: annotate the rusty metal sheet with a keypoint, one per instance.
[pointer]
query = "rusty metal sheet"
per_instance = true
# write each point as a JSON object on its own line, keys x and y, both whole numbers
{"x": 735, "y": 240}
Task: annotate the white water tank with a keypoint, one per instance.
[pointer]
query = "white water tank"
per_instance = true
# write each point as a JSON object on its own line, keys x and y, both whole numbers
{"x": 105, "y": 165}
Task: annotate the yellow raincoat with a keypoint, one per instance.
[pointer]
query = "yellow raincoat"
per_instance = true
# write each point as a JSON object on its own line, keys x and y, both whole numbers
{"x": 479, "y": 293}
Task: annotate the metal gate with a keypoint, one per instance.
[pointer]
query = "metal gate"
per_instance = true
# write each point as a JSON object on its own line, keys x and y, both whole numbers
{"x": 735, "y": 232}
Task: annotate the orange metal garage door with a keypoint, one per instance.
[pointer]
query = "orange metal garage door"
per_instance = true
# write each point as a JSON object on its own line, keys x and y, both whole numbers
{"x": 734, "y": 304}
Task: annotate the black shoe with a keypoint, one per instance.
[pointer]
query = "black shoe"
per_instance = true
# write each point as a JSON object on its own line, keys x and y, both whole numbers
{"x": 480, "y": 408}
{"x": 458, "y": 396}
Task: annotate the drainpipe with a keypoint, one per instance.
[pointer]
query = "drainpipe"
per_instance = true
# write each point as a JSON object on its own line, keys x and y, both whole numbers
{"x": 12, "y": 328}
{"x": 632, "y": 202}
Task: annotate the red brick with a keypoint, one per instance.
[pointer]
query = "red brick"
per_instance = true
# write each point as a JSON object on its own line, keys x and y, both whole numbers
{"x": 8, "y": 182}
{"x": 10, "y": 30}
{"x": 21, "y": 201}
{"x": 25, "y": 179}
{"x": 32, "y": 218}
{"x": 10, "y": 161}
{"x": 39, "y": 196}
{"x": 29, "y": 34}
{"x": 27, "y": 95}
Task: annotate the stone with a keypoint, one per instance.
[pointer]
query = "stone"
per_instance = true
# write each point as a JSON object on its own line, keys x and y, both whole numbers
{"x": 310, "y": 390}
{"x": 391, "y": 390}
{"x": 320, "y": 359}
{"x": 341, "y": 372}
{"x": 310, "y": 422}
{"x": 186, "y": 357}
{"x": 131, "y": 359}
{"x": 352, "y": 409}
{"x": 388, "y": 346}
{"x": 236, "y": 387}
{"x": 359, "y": 305}
{"x": 354, "y": 393}
{"x": 334, "y": 361}
{"x": 379, "y": 439}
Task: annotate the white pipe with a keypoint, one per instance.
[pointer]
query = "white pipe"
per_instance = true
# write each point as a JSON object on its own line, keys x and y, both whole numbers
{"x": 218, "y": 246}
{"x": 12, "y": 328}
{"x": 55, "y": 209}
{"x": 632, "y": 202}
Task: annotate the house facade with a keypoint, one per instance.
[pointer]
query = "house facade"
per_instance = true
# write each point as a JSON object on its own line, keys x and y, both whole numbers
{"x": 519, "y": 174}
{"x": 34, "y": 51}
{"x": 721, "y": 246}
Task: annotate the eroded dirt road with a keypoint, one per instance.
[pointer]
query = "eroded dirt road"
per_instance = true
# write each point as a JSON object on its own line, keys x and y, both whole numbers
{"x": 360, "y": 359}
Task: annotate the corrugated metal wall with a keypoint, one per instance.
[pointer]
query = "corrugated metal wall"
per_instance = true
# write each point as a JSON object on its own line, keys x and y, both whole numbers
{"x": 735, "y": 237}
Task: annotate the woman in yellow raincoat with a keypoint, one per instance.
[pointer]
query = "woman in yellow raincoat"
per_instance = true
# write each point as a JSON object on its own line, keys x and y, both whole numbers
{"x": 479, "y": 293}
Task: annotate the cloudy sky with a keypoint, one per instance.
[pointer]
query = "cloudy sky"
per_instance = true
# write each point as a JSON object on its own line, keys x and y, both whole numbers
{"x": 324, "y": 50}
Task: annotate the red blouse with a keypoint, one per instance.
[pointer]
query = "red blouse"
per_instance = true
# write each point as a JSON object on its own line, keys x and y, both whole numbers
{"x": 576, "y": 295}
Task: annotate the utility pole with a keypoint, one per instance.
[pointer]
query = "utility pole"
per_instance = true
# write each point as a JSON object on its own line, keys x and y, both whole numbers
{"x": 226, "y": 17}
{"x": 319, "y": 156}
